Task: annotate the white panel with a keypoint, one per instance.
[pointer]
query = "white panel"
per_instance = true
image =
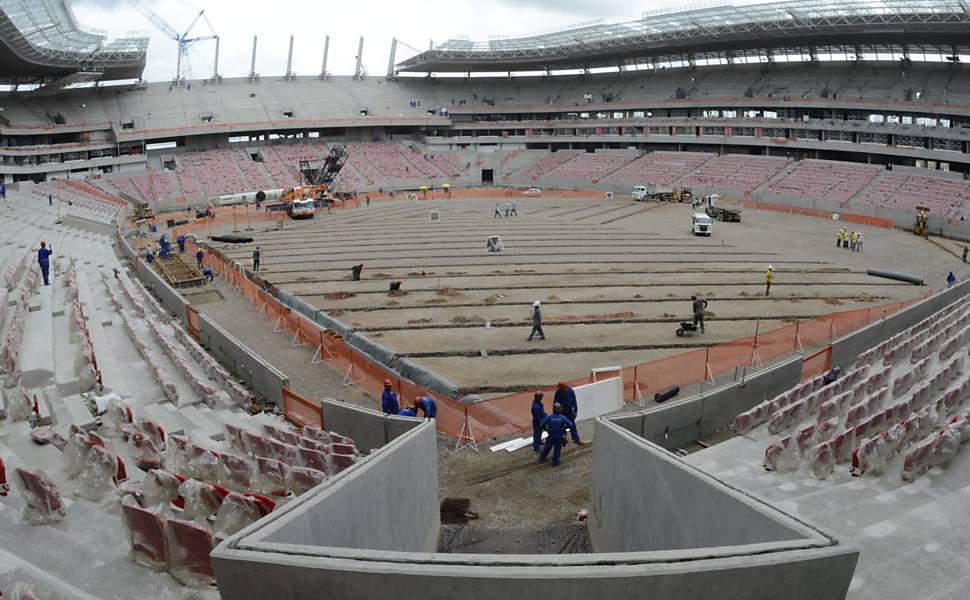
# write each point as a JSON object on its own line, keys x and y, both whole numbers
{"x": 600, "y": 398}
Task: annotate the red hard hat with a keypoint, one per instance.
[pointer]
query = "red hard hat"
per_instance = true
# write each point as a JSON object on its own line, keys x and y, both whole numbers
{"x": 387, "y": 382}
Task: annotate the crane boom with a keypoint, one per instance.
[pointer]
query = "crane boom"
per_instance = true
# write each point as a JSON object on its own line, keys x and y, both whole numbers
{"x": 156, "y": 20}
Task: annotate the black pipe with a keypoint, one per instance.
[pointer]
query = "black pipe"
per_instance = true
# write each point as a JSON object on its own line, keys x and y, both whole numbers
{"x": 897, "y": 276}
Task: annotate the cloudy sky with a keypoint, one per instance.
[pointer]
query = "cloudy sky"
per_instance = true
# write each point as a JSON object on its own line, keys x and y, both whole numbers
{"x": 414, "y": 22}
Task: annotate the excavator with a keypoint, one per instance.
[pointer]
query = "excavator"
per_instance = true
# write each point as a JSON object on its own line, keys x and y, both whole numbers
{"x": 922, "y": 227}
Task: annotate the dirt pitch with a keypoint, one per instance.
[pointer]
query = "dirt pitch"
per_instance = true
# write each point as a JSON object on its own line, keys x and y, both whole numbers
{"x": 614, "y": 277}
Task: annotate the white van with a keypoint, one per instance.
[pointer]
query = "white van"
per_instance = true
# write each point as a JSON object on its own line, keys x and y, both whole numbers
{"x": 701, "y": 224}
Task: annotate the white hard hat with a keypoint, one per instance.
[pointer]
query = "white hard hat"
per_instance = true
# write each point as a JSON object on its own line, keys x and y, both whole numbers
{"x": 770, "y": 268}
{"x": 536, "y": 303}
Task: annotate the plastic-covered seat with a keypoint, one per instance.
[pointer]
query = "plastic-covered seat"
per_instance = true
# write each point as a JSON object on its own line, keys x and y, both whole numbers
{"x": 177, "y": 453}
{"x": 160, "y": 489}
{"x": 44, "y": 504}
{"x": 4, "y": 486}
{"x": 237, "y": 472}
{"x": 101, "y": 473}
{"x": 202, "y": 500}
{"x": 283, "y": 452}
{"x": 341, "y": 461}
{"x": 189, "y": 546}
{"x": 271, "y": 476}
{"x": 315, "y": 459}
{"x": 304, "y": 479}
{"x": 239, "y": 511}
{"x": 315, "y": 433}
{"x": 146, "y": 535}
{"x": 203, "y": 463}
{"x": 257, "y": 445}
{"x": 144, "y": 452}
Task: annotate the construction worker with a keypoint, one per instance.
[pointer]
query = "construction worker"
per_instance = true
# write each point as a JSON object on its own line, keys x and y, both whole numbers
{"x": 964, "y": 253}
{"x": 538, "y": 416}
{"x": 858, "y": 243}
{"x": 180, "y": 240}
{"x": 838, "y": 238}
{"x": 43, "y": 259}
{"x": 428, "y": 407}
{"x": 769, "y": 277}
{"x": 198, "y": 257}
{"x": 536, "y": 321}
{"x": 950, "y": 280}
{"x": 699, "y": 306}
{"x": 408, "y": 412}
{"x": 566, "y": 398}
{"x": 853, "y": 240}
{"x": 845, "y": 239}
{"x": 556, "y": 424}
{"x": 50, "y": 199}
{"x": 256, "y": 254}
{"x": 150, "y": 255}
{"x": 208, "y": 274}
{"x": 389, "y": 404}
{"x": 514, "y": 212}
{"x": 508, "y": 210}
{"x": 498, "y": 213}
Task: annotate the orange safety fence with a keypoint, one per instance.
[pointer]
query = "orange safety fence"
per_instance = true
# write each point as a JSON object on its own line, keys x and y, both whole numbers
{"x": 825, "y": 214}
{"x": 300, "y": 410}
{"x": 817, "y": 363}
{"x": 192, "y": 321}
{"x": 509, "y": 414}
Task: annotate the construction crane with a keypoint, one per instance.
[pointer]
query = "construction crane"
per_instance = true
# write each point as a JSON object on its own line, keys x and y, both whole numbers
{"x": 182, "y": 39}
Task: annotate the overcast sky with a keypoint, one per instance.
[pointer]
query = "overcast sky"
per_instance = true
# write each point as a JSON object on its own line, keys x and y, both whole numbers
{"x": 414, "y": 23}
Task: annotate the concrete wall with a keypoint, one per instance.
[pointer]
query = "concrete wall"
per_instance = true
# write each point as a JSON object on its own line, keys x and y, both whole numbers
{"x": 369, "y": 428}
{"x": 382, "y": 503}
{"x": 387, "y": 502}
{"x": 242, "y": 361}
{"x": 676, "y": 505}
{"x": 679, "y": 423}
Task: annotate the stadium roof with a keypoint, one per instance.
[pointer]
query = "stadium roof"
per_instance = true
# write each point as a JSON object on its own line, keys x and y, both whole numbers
{"x": 721, "y": 29}
{"x": 41, "y": 41}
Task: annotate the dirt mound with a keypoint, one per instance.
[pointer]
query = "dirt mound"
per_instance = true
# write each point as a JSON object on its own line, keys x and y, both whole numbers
{"x": 435, "y": 301}
{"x": 339, "y": 295}
{"x": 832, "y": 301}
{"x": 447, "y": 291}
{"x": 397, "y": 293}
{"x": 460, "y": 320}
{"x": 552, "y": 297}
{"x": 420, "y": 321}
{"x": 616, "y": 315}
{"x": 380, "y": 275}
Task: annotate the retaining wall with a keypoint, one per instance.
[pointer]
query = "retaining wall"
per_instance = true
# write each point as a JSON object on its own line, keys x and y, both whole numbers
{"x": 238, "y": 358}
{"x": 679, "y": 423}
{"x": 390, "y": 504}
{"x": 369, "y": 428}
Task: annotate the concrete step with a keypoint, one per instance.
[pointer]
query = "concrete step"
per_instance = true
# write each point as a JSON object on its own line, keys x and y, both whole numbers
{"x": 38, "y": 372}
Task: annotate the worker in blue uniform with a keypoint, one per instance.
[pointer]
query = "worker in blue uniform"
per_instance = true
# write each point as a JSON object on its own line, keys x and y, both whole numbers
{"x": 555, "y": 424}
{"x": 389, "y": 404}
{"x": 538, "y": 416}
{"x": 408, "y": 412}
{"x": 427, "y": 406}
{"x": 198, "y": 257}
{"x": 43, "y": 259}
{"x": 566, "y": 397}
{"x": 181, "y": 242}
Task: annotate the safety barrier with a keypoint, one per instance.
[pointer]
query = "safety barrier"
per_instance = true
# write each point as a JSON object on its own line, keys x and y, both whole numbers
{"x": 812, "y": 212}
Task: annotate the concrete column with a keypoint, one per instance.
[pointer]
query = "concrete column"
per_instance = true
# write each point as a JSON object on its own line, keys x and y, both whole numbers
{"x": 252, "y": 66}
{"x": 359, "y": 71}
{"x": 390, "y": 62}
{"x": 326, "y": 52}
{"x": 215, "y": 68}
{"x": 289, "y": 60}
